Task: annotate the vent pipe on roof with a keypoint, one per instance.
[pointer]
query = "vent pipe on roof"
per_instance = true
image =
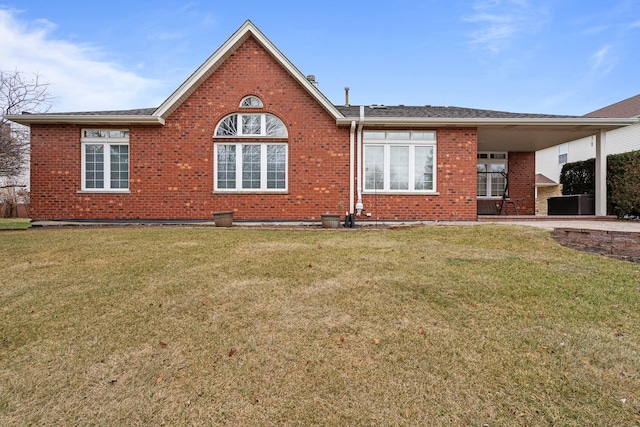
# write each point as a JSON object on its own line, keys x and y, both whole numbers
{"x": 346, "y": 96}
{"x": 312, "y": 80}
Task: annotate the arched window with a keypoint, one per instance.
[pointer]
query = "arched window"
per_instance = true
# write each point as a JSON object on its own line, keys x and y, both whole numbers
{"x": 251, "y": 102}
{"x": 256, "y": 125}
{"x": 258, "y": 164}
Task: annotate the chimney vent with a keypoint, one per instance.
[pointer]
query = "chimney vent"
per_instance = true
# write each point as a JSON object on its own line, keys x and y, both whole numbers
{"x": 312, "y": 80}
{"x": 346, "y": 96}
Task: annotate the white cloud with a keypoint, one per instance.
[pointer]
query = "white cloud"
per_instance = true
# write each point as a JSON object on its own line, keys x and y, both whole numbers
{"x": 80, "y": 81}
{"x": 166, "y": 36}
{"x": 500, "y": 21}
{"x": 601, "y": 61}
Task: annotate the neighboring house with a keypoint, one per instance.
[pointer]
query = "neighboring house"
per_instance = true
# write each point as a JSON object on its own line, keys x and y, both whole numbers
{"x": 248, "y": 132}
{"x": 13, "y": 199}
{"x": 549, "y": 162}
{"x": 22, "y": 180}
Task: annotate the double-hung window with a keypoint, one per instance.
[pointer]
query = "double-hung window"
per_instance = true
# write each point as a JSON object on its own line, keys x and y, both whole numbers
{"x": 399, "y": 161}
{"x": 105, "y": 160}
{"x": 251, "y": 152}
{"x": 563, "y": 153}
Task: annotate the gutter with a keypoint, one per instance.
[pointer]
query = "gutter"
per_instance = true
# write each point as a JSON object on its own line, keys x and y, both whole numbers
{"x": 453, "y": 122}
{"x": 84, "y": 119}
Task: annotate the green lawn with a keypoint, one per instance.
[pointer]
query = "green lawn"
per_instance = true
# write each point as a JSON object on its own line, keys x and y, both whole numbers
{"x": 440, "y": 325}
{"x": 14, "y": 224}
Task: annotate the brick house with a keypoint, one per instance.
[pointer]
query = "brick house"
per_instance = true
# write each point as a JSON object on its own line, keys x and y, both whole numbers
{"x": 248, "y": 132}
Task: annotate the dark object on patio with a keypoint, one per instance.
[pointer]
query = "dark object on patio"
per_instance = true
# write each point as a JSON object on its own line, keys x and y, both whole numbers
{"x": 575, "y": 204}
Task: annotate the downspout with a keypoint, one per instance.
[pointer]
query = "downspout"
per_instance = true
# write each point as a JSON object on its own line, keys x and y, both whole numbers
{"x": 351, "y": 167}
{"x": 359, "y": 205}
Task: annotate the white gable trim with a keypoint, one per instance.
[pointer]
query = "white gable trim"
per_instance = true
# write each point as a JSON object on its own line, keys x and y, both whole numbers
{"x": 222, "y": 54}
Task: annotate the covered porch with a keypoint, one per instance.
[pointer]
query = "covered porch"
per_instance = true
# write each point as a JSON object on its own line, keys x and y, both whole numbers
{"x": 520, "y": 139}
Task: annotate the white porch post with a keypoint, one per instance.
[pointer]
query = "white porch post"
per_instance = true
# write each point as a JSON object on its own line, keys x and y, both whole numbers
{"x": 601, "y": 173}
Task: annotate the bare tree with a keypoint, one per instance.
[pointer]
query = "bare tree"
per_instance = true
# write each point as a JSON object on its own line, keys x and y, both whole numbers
{"x": 19, "y": 93}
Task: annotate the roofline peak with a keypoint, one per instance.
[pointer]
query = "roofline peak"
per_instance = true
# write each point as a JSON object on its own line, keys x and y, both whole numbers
{"x": 248, "y": 28}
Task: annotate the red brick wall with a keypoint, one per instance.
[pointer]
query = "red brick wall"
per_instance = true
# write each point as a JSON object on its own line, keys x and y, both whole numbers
{"x": 522, "y": 181}
{"x": 172, "y": 166}
{"x": 455, "y": 182}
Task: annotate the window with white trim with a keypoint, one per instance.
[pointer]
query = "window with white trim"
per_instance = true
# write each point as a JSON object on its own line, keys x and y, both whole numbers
{"x": 251, "y": 167}
{"x": 105, "y": 160}
{"x": 251, "y": 102}
{"x": 258, "y": 165}
{"x": 563, "y": 153}
{"x": 254, "y": 125}
{"x": 492, "y": 174}
{"x": 399, "y": 161}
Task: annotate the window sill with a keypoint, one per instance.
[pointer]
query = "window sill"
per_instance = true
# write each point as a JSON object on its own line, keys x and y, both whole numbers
{"x": 250, "y": 191}
{"x": 103, "y": 192}
{"x": 401, "y": 193}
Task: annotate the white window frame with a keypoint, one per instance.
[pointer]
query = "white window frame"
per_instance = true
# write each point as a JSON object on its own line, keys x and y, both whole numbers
{"x": 106, "y": 139}
{"x": 400, "y": 138}
{"x": 489, "y": 158}
{"x": 263, "y": 168}
{"x": 250, "y": 100}
{"x": 563, "y": 153}
{"x": 239, "y": 130}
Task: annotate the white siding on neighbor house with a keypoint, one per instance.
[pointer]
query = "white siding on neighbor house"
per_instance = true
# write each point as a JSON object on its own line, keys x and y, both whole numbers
{"x": 618, "y": 141}
{"x": 623, "y": 140}
{"x": 547, "y": 163}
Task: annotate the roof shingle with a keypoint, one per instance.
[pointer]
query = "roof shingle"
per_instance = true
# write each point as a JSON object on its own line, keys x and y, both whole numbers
{"x": 627, "y": 108}
{"x": 438, "y": 112}
{"x": 135, "y": 112}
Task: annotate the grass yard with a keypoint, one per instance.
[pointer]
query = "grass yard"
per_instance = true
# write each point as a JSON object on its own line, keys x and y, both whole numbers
{"x": 441, "y": 325}
{"x": 14, "y": 224}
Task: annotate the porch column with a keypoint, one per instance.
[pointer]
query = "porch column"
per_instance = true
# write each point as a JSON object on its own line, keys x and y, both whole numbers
{"x": 601, "y": 173}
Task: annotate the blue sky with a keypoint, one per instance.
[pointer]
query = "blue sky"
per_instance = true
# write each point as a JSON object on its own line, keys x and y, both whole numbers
{"x": 542, "y": 56}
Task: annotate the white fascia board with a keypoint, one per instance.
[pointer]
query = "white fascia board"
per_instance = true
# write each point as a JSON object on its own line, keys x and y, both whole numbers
{"x": 439, "y": 122}
{"x": 216, "y": 59}
{"x": 34, "y": 119}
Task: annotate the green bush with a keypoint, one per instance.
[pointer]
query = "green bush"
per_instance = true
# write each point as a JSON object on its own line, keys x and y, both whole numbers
{"x": 623, "y": 182}
{"x": 578, "y": 177}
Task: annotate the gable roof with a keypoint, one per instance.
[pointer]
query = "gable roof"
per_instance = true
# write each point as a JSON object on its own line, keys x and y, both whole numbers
{"x": 629, "y": 107}
{"x": 248, "y": 29}
{"x": 543, "y": 181}
{"x": 159, "y": 114}
{"x": 496, "y": 130}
